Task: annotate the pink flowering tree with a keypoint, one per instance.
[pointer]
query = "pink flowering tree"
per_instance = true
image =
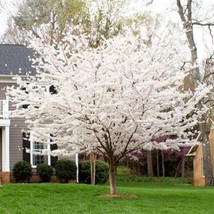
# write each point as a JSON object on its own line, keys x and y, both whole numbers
{"x": 114, "y": 99}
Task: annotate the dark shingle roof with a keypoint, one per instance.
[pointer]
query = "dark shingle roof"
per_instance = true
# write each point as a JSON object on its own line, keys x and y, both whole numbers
{"x": 15, "y": 59}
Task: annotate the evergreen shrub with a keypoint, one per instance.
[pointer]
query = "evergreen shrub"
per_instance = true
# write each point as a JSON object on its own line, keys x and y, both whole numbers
{"x": 65, "y": 170}
{"x": 45, "y": 172}
{"x": 22, "y": 171}
{"x": 101, "y": 174}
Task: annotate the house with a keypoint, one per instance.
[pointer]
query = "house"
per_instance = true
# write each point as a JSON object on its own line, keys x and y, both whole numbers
{"x": 14, "y": 60}
{"x": 197, "y": 153}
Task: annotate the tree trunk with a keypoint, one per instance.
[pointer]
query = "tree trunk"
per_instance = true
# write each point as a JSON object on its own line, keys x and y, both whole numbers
{"x": 207, "y": 161}
{"x": 185, "y": 14}
{"x": 112, "y": 178}
{"x": 183, "y": 161}
{"x": 158, "y": 164}
{"x": 149, "y": 163}
{"x": 163, "y": 165}
{"x": 177, "y": 169}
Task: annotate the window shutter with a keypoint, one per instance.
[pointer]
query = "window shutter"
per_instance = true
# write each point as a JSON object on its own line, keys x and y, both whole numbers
{"x": 25, "y": 144}
{"x": 52, "y": 89}
{"x": 53, "y": 159}
{"x": 25, "y": 106}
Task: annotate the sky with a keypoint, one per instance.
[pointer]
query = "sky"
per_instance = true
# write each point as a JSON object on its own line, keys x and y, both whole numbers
{"x": 2, "y": 23}
{"x": 164, "y": 7}
{"x": 7, "y": 8}
{"x": 168, "y": 9}
{"x": 137, "y": 5}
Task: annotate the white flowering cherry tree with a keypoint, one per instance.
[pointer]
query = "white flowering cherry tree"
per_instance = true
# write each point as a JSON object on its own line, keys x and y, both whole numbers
{"x": 115, "y": 99}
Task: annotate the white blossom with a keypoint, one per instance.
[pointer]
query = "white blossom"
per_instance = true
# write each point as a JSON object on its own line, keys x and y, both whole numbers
{"x": 114, "y": 99}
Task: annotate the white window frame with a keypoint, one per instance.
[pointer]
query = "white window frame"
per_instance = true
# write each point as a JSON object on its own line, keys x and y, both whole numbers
{"x": 43, "y": 85}
{"x": 32, "y": 151}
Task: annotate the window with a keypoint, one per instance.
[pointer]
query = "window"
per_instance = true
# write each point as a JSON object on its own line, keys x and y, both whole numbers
{"x": 37, "y": 156}
{"x": 45, "y": 87}
{"x": 32, "y": 151}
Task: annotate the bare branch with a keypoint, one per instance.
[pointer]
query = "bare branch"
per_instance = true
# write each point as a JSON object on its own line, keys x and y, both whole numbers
{"x": 202, "y": 24}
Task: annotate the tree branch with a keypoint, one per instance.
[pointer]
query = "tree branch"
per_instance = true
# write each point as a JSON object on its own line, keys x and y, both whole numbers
{"x": 202, "y": 24}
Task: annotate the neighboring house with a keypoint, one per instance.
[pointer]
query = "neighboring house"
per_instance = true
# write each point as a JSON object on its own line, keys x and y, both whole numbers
{"x": 197, "y": 153}
{"x": 15, "y": 60}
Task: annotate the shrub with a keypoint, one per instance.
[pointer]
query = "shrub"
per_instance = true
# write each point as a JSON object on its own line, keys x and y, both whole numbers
{"x": 101, "y": 174}
{"x": 84, "y": 172}
{"x": 65, "y": 170}
{"x": 22, "y": 171}
{"x": 45, "y": 172}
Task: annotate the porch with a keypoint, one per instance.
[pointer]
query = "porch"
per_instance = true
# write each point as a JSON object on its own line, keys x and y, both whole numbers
{"x": 4, "y": 142}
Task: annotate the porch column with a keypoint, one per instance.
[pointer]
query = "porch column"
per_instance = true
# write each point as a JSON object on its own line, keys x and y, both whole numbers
{"x": 77, "y": 165}
{"x": 5, "y": 149}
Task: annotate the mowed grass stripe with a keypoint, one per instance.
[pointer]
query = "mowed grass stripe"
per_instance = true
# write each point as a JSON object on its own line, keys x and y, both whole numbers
{"x": 152, "y": 197}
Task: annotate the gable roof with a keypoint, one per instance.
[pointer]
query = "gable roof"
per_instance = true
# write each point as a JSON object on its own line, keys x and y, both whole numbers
{"x": 15, "y": 59}
{"x": 192, "y": 150}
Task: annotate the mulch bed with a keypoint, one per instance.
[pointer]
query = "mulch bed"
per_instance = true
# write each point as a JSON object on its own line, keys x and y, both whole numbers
{"x": 118, "y": 196}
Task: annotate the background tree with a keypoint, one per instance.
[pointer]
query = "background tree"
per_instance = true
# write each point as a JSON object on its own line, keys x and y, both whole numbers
{"x": 115, "y": 99}
{"x": 99, "y": 19}
{"x": 189, "y": 20}
{"x": 7, "y": 9}
{"x": 149, "y": 163}
{"x": 55, "y": 14}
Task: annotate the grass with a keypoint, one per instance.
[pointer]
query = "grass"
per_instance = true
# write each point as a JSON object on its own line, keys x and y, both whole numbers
{"x": 122, "y": 170}
{"x": 153, "y": 197}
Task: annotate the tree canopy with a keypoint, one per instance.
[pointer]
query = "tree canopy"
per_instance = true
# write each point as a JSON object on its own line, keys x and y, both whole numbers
{"x": 113, "y": 99}
{"x": 99, "y": 19}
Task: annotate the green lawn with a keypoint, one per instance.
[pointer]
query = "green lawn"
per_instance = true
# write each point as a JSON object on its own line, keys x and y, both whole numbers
{"x": 153, "y": 197}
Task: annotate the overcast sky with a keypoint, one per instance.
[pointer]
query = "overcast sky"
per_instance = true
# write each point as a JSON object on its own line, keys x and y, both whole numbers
{"x": 6, "y": 9}
{"x": 137, "y": 5}
{"x": 164, "y": 7}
